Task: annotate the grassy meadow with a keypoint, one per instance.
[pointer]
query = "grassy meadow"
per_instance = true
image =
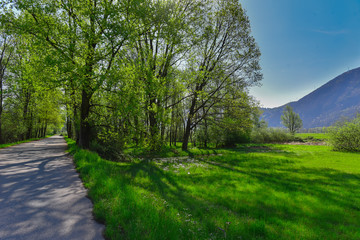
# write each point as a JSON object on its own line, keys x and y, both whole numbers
{"x": 268, "y": 191}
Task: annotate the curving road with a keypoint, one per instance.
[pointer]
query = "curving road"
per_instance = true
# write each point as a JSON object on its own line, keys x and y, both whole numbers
{"x": 41, "y": 195}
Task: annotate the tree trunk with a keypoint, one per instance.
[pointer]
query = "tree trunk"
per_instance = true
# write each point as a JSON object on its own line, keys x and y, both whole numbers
{"x": 45, "y": 129}
{"x": 85, "y": 128}
{"x": 175, "y": 135}
{"x": 25, "y": 117}
{"x": 153, "y": 124}
{"x": 87, "y": 91}
{"x": 69, "y": 127}
{"x": 186, "y": 137}
{"x": 30, "y": 127}
{"x": 75, "y": 124}
{"x": 189, "y": 123}
{"x": 205, "y": 133}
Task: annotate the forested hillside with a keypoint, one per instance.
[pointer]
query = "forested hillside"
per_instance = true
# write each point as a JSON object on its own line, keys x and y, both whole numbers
{"x": 331, "y": 102}
{"x": 121, "y": 73}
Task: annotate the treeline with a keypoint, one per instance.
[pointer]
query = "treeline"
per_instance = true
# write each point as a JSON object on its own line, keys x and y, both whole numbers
{"x": 28, "y": 107}
{"x": 136, "y": 72}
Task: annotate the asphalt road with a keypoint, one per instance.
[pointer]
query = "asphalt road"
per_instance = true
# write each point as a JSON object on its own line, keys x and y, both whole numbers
{"x": 41, "y": 195}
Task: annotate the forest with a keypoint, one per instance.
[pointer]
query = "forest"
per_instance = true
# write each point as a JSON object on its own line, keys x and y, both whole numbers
{"x": 128, "y": 73}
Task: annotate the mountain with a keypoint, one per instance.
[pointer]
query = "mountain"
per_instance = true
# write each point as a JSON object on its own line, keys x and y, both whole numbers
{"x": 329, "y": 103}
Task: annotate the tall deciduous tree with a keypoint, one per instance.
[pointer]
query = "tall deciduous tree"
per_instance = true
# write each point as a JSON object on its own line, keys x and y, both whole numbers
{"x": 158, "y": 51}
{"x": 133, "y": 72}
{"x": 291, "y": 120}
{"x": 225, "y": 58}
{"x": 6, "y": 53}
{"x": 86, "y": 33}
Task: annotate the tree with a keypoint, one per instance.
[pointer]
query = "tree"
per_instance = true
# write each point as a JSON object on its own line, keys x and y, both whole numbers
{"x": 228, "y": 123}
{"x": 345, "y": 135}
{"x": 225, "y": 59}
{"x": 137, "y": 72}
{"x": 32, "y": 102}
{"x": 86, "y": 35}
{"x": 166, "y": 37}
{"x": 6, "y": 52}
{"x": 291, "y": 120}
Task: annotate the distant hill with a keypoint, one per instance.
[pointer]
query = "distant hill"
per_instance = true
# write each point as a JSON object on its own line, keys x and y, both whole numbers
{"x": 334, "y": 100}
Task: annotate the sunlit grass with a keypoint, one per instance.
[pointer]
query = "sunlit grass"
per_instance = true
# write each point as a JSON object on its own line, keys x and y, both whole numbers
{"x": 252, "y": 192}
{"x": 171, "y": 151}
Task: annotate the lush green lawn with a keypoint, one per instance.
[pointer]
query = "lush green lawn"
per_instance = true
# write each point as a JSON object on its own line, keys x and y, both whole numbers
{"x": 253, "y": 192}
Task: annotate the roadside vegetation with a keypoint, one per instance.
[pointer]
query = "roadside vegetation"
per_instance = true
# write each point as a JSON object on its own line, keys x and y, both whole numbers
{"x": 255, "y": 191}
{"x": 19, "y": 142}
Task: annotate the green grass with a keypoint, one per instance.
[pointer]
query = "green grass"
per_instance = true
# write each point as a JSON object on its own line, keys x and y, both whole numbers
{"x": 171, "y": 151}
{"x": 252, "y": 192}
{"x": 19, "y": 142}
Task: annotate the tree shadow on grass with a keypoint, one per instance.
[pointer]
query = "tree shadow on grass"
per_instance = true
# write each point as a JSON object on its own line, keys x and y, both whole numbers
{"x": 166, "y": 186}
{"x": 334, "y": 192}
{"x": 323, "y": 203}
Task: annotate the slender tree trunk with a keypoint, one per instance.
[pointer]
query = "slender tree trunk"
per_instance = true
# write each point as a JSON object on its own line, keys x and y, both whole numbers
{"x": 69, "y": 127}
{"x": 193, "y": 135}
{"x": 175, "y": 134}
{"x": 205, "y": 133}
{"x": 137, "y": 132}
{"x": 75, "y": 124}
{"x": 162, "y": 131}
{"x": 37, "y": 132}
{"x": 187, "y": 133}
{"x": 45, "y": 128}
{"x": 25, "y": 115}
{"x": 30, "y": 127}
{"x": 153, "y": 125}
{"x": 189, "y": 123}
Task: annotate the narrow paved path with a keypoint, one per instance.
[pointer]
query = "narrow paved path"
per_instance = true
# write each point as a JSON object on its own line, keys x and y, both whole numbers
{"x": 41, "y": 195}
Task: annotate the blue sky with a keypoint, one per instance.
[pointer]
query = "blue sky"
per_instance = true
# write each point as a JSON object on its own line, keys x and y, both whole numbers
{"x": 304, "y": 44}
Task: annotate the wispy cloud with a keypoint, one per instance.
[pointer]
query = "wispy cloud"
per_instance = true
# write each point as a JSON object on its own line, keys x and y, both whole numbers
{"x": 331, "y": 32}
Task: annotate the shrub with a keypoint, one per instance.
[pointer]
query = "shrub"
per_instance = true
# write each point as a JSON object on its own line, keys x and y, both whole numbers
{"x": 270, "y": 135}
{"x": 345, "y": 136}
{"x": 111, "y": 151}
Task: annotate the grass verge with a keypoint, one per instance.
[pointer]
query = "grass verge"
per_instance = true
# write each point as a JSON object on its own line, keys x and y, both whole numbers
{"x": 19, "y": 142}
{"x": 252, "y": 192}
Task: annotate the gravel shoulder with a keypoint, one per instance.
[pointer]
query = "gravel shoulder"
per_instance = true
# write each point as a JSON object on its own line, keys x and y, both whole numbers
{"x": 42, "y": 196}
